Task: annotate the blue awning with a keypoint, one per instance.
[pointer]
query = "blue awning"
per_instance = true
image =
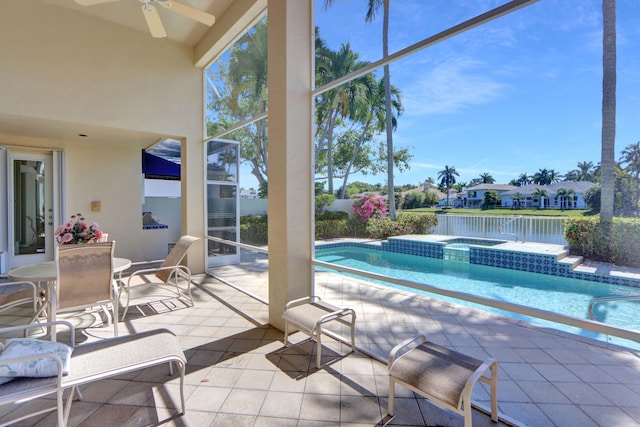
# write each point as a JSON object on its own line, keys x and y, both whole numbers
{"x": 154, "y": 167}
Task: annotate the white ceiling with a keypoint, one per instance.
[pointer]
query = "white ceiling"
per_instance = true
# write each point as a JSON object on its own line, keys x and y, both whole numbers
{"x": 127, "y": 12}
{"x": 123, "y": 12}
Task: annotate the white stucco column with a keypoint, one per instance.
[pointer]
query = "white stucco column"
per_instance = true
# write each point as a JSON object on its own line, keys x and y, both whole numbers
{"x": 290, "y": 37}
{"x": 192, "y": 200}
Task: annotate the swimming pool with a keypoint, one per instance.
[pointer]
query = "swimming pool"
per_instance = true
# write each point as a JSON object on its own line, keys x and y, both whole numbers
{"x": 552, "y": 293}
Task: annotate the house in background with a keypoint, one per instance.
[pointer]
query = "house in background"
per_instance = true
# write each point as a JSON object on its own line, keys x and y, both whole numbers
{"x": 559, "y": 195}
{"x": 472, "y": 197}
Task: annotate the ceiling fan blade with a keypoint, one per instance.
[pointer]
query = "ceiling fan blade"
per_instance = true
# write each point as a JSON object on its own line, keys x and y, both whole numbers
{"x": 153, "y": 21}
{"x": 92, "y": 2}
{"x": 188, "y": 11}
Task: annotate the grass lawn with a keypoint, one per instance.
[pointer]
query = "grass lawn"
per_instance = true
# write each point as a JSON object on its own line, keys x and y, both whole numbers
{"x": 508, "y": 211}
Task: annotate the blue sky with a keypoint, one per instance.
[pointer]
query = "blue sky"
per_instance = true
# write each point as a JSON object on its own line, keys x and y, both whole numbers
{"x": 517, "y": 95}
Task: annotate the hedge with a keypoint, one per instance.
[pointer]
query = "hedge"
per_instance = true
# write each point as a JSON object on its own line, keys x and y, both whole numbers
{"x": 253, "y": 229}
{"x": 587, "y": 238}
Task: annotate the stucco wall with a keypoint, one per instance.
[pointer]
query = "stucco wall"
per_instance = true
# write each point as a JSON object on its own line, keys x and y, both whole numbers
{"x": 70, "y": 71}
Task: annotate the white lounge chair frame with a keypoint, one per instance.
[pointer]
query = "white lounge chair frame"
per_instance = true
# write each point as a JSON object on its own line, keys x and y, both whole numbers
{"x": 309, "y": 314}
{"x": 92, "y": 362}
{"x": 167, "y": 276}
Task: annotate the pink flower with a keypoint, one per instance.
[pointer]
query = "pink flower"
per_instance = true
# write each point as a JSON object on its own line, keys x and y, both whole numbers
{"x": 78, "y": 231}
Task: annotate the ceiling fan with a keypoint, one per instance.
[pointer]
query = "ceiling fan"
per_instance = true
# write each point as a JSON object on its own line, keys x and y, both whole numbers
{"x": 153, "y": 19}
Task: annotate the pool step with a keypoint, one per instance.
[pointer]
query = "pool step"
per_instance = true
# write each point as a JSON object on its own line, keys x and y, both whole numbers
{"x": 572, "y": 260}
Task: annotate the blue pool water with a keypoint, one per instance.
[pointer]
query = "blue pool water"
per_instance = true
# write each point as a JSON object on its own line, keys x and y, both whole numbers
{"x": 557, "y": 294}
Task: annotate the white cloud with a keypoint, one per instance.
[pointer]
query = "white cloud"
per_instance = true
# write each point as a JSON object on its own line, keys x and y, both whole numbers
{"x": 450, "y": 87}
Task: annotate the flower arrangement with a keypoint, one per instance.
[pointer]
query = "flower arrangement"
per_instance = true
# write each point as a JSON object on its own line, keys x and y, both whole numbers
{"x": 77, "y": 230}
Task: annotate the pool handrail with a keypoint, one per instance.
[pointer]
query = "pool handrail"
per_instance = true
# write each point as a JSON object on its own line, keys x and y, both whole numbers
{"x": 597, "y": 300}
{"x": 508, "y": 222}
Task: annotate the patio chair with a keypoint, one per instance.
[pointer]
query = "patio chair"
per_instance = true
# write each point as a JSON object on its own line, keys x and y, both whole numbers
{"x": 170, "y": 280}
{"x": 85, "y": 280}
{"x": 443, "y": 376}
{"x": 87, "y": 363}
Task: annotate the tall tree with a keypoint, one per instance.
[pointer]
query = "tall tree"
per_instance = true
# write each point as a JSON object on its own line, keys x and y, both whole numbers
{"x": 338, "y": 102}
{"x": 523, "y": 180}
{"x": 241, "y": 95}
{"x": 607, "y": 163}
{"x": 447, "y": 178}
{"x": 585, "y": 171}
{"x": 372, "y": 9}
{"x": 369, "y": 112}
{"x": 486, "y": 178}
{"x": 541, "y": 177}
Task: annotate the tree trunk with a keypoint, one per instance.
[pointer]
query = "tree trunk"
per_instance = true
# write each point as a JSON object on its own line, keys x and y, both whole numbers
{"x": 608, "y": 109}
{"x": 389, "y": 114}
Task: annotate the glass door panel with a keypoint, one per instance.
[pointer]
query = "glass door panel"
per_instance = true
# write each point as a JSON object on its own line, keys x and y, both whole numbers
{"x": 222, "y": 203}
{"x": 32, "y": 213}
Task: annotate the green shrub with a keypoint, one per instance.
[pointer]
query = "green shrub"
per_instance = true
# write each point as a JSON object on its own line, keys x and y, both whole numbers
{"x": 407, "y": 223}
{"x": 329, "y": 215}
{"x": 333, "y": 228}
{"x": 253, "y": 219}
{"x": 587, "y": 237}
{"x": 322, "y": 201}
{"x": 413, "y": 199}
{"x": 253, "y": 229}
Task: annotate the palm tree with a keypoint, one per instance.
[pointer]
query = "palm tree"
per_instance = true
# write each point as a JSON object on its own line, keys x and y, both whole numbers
{"x": 447, "y": 178}
{"x": 331, "y": 65}
{"x": 608, "y": 110}
{"x": 553, "y": 176}
{"x": 540, "y": 194}
{"x": 373, "y": 7}
{"x": 487, "y": 178}
{"x": 585, "y": 171}
{"x": 631, "y": 157}
{"x": 524, "y": 179}
{"x": 565, "y": 197}
{"x": 516, "y": 200}
{"x": 248, "y": 77}
{"x": 370, "y": 113}
{"x": 541, "y": 177}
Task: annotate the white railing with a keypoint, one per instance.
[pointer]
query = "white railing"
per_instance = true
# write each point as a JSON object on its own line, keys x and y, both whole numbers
{"x": 588, "y": 325}
{"x": 527, "y": 228}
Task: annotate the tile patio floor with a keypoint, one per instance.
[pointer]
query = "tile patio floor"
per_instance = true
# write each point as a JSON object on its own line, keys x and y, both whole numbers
{"x": 238, "y": 373}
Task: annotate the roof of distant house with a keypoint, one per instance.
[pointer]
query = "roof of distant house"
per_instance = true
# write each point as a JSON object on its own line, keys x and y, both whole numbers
{"x": 488, "y": 187}
{"x": 552, "y": 189}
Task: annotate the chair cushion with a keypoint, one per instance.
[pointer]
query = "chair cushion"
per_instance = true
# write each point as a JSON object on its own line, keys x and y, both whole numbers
{"x": 36, "y": 368}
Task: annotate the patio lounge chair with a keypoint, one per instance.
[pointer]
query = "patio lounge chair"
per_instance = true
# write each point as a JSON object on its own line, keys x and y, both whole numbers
{"x": 444, "y": 376}
{"x": 91, "y": 362}
{"x": 164, "y": 282}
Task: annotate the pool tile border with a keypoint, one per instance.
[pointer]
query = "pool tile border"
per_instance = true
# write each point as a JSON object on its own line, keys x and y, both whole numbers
{"x": 489, "y": 256}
